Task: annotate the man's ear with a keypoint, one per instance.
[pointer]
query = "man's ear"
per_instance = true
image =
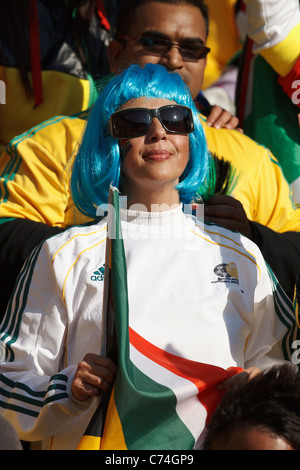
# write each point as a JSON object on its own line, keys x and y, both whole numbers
{"x": 113, "y": 52}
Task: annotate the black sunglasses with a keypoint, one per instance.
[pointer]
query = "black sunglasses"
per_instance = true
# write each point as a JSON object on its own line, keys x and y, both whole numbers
{"x": 135, "y": 122}
{"x": 160, "y": 46}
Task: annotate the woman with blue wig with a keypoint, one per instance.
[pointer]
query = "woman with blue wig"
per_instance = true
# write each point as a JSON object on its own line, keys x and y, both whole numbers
{"x": 98, "y": 165}
{"x": 201, "y": 306}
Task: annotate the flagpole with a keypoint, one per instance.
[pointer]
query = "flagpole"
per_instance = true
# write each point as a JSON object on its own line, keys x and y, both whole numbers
{"x": 91, "y": 440}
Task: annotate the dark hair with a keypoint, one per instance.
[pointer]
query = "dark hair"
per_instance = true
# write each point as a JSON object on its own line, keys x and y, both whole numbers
{"x": 15, "y": 38}
{"x": 128, "y": 8}
{"x": 270, "y": 401}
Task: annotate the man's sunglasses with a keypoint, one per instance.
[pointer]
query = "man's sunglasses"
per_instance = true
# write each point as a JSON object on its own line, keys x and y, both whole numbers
{"x": 135, "y": 122}
{"x": 160, "y": 46}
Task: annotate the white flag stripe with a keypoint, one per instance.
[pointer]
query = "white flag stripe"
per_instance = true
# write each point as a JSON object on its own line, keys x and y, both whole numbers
{"x": 189, "y": 409}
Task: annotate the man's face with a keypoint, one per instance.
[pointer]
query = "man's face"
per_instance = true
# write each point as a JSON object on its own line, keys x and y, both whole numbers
{"x": 181, "y": 23}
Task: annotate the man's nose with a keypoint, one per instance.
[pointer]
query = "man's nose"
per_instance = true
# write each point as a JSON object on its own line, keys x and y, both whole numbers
{"x": 172, "y": 59}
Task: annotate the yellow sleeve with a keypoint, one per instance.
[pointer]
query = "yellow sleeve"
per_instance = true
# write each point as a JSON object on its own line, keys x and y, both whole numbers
{"x": 283, "y": 56}
{"x": 274, "y": 27}
{"x": 261, "y": 188}
{"x": 19, "y": 114}
{"x": 34, "y": 171}
{"x": 223, "y": 39}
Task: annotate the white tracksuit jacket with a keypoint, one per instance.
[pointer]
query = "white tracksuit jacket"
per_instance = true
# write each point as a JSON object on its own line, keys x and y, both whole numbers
{"x": 198, "y": 291}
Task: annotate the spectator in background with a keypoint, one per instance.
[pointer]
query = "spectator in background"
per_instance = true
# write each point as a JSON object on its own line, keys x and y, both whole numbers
{"x": 262, "y": 414}
{"x": 52, "y": 58}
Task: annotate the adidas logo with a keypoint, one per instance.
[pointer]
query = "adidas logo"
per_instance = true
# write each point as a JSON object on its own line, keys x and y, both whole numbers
{"x": 99, "y": 274}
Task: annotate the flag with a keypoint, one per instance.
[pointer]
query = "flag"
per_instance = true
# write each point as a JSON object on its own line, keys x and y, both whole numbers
{"x": 268, "y": 115}
{"x": 159, "y": 400}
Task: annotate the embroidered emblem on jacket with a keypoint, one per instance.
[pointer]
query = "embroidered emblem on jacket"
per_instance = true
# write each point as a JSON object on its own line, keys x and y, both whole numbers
{"x": 227, "y": 273}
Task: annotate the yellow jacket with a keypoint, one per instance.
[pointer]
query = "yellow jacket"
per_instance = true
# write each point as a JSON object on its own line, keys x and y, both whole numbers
{"x": 35, "y": 167}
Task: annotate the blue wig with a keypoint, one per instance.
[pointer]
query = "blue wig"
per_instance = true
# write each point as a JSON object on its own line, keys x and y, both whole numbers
{"x": 97, "y": 164}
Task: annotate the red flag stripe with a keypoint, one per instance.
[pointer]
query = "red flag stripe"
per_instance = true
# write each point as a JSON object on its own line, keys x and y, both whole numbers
{"x": 205, "y": 377}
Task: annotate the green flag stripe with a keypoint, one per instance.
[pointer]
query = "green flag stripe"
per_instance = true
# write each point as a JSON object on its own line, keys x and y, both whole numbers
{"x": 147, "y": 411}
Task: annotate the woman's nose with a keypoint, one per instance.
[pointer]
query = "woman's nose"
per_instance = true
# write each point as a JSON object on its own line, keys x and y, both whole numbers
{"x": 156, "y": 131}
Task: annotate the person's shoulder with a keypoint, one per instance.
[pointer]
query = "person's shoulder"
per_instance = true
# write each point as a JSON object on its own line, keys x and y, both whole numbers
{"x": 232, "y": 136}
{"x": 78, "y": 238}
{"x": 242, "y": 151}
{"x": 50, "y": 132}
{"x": 225, "y": 238}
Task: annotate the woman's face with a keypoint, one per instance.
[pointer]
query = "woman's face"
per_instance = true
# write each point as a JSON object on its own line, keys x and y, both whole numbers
{"x": 156, "y": 160}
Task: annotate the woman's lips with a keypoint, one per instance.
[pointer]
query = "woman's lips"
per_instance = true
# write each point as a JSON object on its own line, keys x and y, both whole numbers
{"x": 157, "y": 155}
